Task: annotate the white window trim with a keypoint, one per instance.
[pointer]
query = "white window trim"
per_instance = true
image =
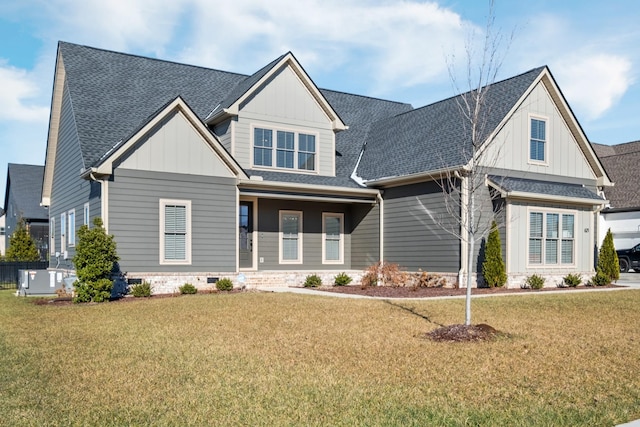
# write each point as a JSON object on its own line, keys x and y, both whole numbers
{"x": 86, "y": 214}
{"x": 187, "y": 204}
{"x": 52, "y": 236}
{"x": 544, "y": 212}
{"x": 71, "y": 229}
{"x": 340, "y": 260}
{"x": 63, "y": 232}
{"x": 274, "y": 148}
{"x": 547, "y": 129}
{"x": 280, "y": 237}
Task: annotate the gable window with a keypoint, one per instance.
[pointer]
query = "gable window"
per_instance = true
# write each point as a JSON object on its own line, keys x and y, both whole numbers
{"x": 63, "y": 232}
{"x": 175, "y": 231}
{"x": 332, "y": 238}
{"x": 72, "y": 228}
{"x": 551, "y": 238}
{"x": 293, "y": 150}
{"x": 86, "y": 214}
{"x": 538, "y": 140}
{"x": 290, "y": 237}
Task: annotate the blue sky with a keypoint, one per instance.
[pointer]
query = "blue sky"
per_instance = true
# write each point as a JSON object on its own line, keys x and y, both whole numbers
{"x": 397, "y": 50}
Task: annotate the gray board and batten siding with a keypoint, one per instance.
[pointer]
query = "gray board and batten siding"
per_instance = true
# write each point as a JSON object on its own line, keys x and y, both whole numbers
{"x": 69, "y": 191}
{"x": 134, "y": 219}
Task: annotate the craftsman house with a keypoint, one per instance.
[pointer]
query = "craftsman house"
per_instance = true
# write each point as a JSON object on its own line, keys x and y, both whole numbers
{"x": 200, "y": 173}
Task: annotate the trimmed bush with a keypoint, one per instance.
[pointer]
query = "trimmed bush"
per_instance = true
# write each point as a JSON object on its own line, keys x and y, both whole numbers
{"x": 534, "y": 282}
{"x": 141, "y": 290}
{"x": 608, "y": 262}
{"x": 224, "y": 284}
{"x": 188, "y": 289}
{"x": 312, "y": 281}
{"x": 572, "y": 280}
{"x": 600, "y": 279}
{"x": 342, "y": 279}
{"x": 493, "y": 269}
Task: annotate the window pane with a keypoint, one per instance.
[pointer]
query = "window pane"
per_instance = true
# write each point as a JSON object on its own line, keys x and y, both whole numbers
{"x": 535, "y": 251}
{"x": 537, "y": 140}
{"x": 551, "y": 252}
{"x": 332, "y": 226}
{"x": 284, "y": 159}
{"x": 285, "y": 140}
{"x": 535, "y": 224}
{"x": 306, "y": 161}
{"x": 552, "y": 226}
{"x": 333, "y": 250}
{"x": 262, "y": 138}
{"x": 290, "y": 249}
{"x": 567, "y": 251}
{"x": 567, "y": 226}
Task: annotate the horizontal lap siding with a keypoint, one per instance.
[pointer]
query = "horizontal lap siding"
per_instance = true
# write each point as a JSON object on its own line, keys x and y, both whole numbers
{"x": 412, "y": 236}
{"x": 365, "y": 237}
{"x": 134, "y": 209}
{"x": 268, "y": 234}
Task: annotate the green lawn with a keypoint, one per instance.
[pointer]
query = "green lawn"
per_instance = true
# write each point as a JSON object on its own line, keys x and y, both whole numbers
{"x": 285, "y": 359}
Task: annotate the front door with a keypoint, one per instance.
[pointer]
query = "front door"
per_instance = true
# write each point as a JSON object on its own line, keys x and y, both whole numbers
{"x": 245, "y": 235}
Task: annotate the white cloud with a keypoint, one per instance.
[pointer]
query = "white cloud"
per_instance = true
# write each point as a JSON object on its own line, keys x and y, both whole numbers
{"x": 594, "y": 83}
{"x": 19, "y": 92}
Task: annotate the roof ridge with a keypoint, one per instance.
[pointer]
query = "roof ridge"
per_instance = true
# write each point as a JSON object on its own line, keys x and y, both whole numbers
{"x": 150, "y": 58}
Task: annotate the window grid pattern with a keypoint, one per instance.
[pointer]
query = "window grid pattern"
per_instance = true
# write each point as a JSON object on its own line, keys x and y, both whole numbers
{"x": 333, "y": 237}
{"x": 262, "y": 147}
{"x": 293, "y": 150}
{"x": 557, "y": 244}
{"x": 291, "y": 237}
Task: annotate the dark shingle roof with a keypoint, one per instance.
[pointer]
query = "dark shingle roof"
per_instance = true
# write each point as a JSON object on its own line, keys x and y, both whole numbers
{"x": 621, "y": 163}
{"x": 24, "y": 183}
{"x": 435, "y": 136}
{"x": 548, "y": 188}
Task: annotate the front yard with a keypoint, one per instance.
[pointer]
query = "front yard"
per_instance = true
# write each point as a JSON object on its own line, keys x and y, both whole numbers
{"x": 284, "y": 359}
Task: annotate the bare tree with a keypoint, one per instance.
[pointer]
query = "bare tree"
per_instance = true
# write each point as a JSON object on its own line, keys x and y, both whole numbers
{"x": 463, "y": 187}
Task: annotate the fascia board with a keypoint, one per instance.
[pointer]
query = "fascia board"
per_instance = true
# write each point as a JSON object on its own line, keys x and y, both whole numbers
{"x": 323, "y": 189}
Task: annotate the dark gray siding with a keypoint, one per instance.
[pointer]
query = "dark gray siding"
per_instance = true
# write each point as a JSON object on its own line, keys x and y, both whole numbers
{"x": 134, "y": 215}
{"x": 223, "y": 132}
{"x": 365, "y": 237}
{"x": 412, "y": 236}
{"x": 268, "y": 229}
{"x": 69, "y": 191}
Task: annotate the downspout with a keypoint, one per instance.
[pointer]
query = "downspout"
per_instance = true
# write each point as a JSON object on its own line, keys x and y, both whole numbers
{"x": 103, "y": 200}
{"x": 381, "y": 223}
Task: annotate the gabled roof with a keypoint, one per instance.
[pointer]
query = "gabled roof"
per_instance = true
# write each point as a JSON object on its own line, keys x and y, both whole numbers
{"x": 544, "y": 190}
{"x": 435, "y": 137}
{"x": 621, "y": 163}
{"x": 24, "y": 183}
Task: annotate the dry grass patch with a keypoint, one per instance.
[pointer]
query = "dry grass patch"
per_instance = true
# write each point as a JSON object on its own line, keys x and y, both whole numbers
{"x": 284, "y": 359}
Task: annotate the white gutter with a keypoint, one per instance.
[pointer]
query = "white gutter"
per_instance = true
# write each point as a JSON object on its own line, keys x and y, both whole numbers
{"x": 288, "y": 186}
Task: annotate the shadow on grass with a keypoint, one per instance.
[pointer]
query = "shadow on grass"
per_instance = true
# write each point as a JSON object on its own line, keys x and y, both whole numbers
{"x": 413, "y": 311}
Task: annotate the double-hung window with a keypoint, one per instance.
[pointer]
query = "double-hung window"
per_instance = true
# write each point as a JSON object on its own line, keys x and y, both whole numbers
{"x": 551, "y": 238}
{"x": 86, "y": 214}
{"x": 52, "y": 236}
{"x": 290, "y": 237}
{"x": 175, "y": 231}
{"x": 332, "y": 238}
{"x": 72, "y": 228}
{"x": 538, "y": 140}
{"x": 63, "y": 232}
{"x": 292, "y": 150}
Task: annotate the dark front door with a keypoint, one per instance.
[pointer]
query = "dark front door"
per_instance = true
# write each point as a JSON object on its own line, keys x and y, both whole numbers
{"x": 245, "y": 235}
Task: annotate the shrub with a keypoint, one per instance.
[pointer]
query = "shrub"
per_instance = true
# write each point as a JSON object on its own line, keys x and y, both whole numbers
{"x": 572, "y": 280}
{"x": 141, "y": 290}
{"x": 342, "y": 279}
{"x": 608, "y": 262}
{"x": 493, "y": 269}
{"x": 600, "y": 279}
{"x": 422, "y": 279}
{"x": 312, "y": 281}
{"x": 188, "y": 289}
{"x": 22, "y": 247}
{"x": 94, "y": 261}
{"x": 534, "y": 282}
{"x": 224, "y": 284}
{"x": 384, "y": 274}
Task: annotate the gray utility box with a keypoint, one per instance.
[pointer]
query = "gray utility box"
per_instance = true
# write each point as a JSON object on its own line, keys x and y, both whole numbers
{"x": 43, "y": 282}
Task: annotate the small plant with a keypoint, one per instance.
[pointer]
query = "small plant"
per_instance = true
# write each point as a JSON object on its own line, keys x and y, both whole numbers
{"x": 534, "y": 282}
{"x": 141, "y": 290}
{"x": 572, "y": 280}
{"x": 312, "y": 281}
{"x": 63, "y": 292}
{"x": 600, "y": 279}
{"x": 188, "y": 289}
{"x": 369, "y": 279}
{"x": 342, "y": 279}
{"x": 384, "y": 274}
{"x": 224, "y": 284}
{"x": 422, "y": 279}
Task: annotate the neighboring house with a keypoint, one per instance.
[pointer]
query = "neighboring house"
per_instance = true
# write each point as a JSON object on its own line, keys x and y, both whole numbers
{"x": 201, "y": 173}
{"x": 2, "y": 233}
{"x": 622, "y": 214}
{"x": 22, "y": 201}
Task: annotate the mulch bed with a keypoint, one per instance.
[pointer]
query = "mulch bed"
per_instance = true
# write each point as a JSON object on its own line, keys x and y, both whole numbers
{"x": 411, "y": 292}
{"x": 464, "y": 333}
